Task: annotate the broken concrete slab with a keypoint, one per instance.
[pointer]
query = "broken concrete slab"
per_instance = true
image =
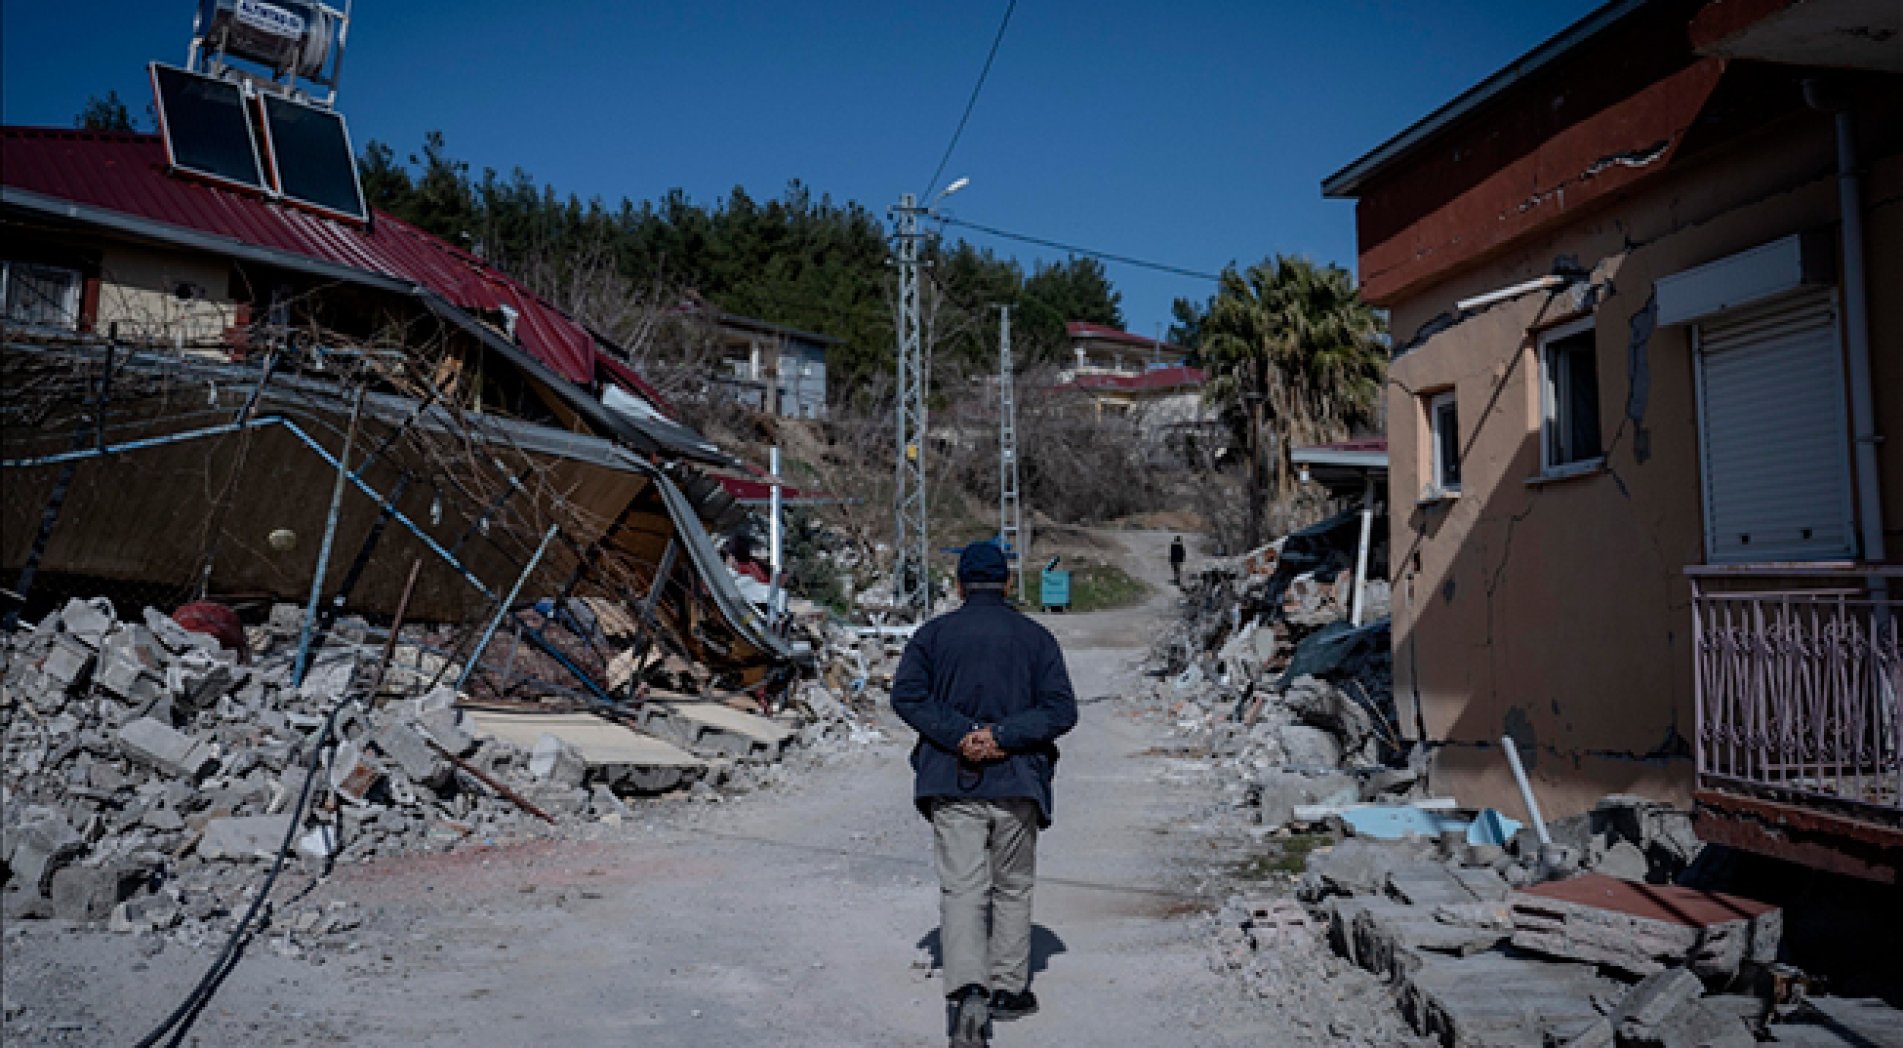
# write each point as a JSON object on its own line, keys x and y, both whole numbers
{"x": 1645, "y": 928}
{"x": 39, "y": 846}
{"x": 1360, "y": 865}
{"x": 1842, "y": 1022}
{"x": 555, "y": 761}
{"x": 88, "y": 621}
{"x": 166, "y": 749}
{"x": 1663, "y": 1011}
{"x": 713, "y": 729}
{"x": 89, "y": 893}
{"x": 1625, "y": 861}
{"x": 404, "y": 745}
{"x": 1493, "y": 999}
{"x": 243, "y": 838}
{"x": 615, "y": 754}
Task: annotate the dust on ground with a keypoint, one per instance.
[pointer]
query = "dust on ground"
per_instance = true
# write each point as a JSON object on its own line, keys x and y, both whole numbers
{"x": 800, "y": 915}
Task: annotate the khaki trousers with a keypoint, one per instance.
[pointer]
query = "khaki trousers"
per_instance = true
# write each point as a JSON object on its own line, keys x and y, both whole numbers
{"x": 987, "y": 865}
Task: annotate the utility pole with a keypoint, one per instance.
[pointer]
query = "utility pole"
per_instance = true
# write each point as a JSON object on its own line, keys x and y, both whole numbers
{"x": 1010, "y": 506}
{"x": 911, "y": 575}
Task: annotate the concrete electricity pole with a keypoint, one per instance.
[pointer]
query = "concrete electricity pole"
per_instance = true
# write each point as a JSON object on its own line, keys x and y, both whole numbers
{"x": 911, "y": 576}
{"x": 1010, "y": 508}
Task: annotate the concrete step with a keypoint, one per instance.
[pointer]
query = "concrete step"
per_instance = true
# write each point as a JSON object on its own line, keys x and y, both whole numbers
{"x": 616, "y": 754}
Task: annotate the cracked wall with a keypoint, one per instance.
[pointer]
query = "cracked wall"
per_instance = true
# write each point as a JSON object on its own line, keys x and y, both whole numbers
{"x": 1556, "y": 610}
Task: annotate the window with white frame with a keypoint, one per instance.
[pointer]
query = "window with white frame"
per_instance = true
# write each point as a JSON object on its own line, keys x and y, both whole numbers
{"x": 1443, "y": 424}
{"x": 1569, "y": 399}
{"x": 40, "y": 296}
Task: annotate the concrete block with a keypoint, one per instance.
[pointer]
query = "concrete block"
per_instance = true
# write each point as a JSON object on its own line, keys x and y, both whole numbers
{"x": 66, "y": 662}
{"x": 445, "y": 728}
{"x": 1308, "y": 747}
{"x": 1625, "y": 861}
{"x": 243, "y": 838}
{"x": 1655, "y": 999}
{"x": 177, "y": 639}
{"x": 403, "y": 745}
{"x": 1493, "y": 999}
{"x": 166, "y": 749}
{"x": 87, "y": 621}
{"x": 558, "y": 762}
{"x": 127, "y": 670}
{"x": 89, "y": 893}
{"x": 1360, "y": 865}
{"x": 42, "y": 844}
{"x": 353, "y": 773}
{"x": 1644, "y": 928}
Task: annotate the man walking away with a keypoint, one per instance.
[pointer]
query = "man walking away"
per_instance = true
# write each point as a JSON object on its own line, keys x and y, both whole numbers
{"x": 1177, "y": 556}
{"x": 987, "y": 692}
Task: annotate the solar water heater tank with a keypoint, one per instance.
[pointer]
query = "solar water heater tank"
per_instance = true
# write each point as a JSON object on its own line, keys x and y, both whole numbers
{"x": 290, "y": 36}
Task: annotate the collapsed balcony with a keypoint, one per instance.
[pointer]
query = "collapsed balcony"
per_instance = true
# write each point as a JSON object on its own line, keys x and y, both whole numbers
{"x": 1799, "y": 745}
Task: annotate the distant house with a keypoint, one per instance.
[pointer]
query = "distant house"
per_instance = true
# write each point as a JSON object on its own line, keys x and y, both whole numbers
{"x": 1648, "y": 344}
{"x": 1147, "y": 380}
{"x": 769, "y": 367}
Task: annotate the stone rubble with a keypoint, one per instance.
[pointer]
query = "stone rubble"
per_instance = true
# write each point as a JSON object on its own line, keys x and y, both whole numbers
{"x": 149, "y": 774}
{"x": 1290, "y": 711}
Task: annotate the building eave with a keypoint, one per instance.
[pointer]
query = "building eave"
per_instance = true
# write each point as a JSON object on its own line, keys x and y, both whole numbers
{"x": 1347, "y": 183}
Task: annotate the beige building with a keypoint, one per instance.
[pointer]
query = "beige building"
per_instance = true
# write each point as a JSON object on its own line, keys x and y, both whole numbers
{"x": 1646, "y": 287}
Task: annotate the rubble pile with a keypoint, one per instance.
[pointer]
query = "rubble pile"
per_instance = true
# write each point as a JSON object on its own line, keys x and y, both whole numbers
{"x": 1484, "y": 944}
{"x": 149, "y": 769}
{"x": 1294, "y": 704}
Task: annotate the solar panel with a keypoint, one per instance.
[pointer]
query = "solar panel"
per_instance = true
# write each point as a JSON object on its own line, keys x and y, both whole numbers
{"x": 207, "y": 126}
{"x": 311, "y": 158}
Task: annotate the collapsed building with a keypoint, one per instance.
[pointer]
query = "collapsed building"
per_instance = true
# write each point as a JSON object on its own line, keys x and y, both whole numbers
{"x": 325, "y": 537}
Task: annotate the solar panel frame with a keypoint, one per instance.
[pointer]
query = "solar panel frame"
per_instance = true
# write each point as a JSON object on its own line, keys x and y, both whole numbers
{"x": 278, "y": 166}
{"x": 168, "y": 127}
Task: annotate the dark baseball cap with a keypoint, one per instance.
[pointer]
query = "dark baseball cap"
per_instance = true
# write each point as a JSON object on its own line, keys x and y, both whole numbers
{"x": 982, "y": 563}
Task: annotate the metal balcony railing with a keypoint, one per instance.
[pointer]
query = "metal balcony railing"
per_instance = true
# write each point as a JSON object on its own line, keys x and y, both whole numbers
{"x": 1796, "y": 680}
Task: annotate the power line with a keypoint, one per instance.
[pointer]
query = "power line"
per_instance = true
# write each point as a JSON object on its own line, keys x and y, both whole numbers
{"x": 1074, "y": 249}
{"x": 972, "y": 102}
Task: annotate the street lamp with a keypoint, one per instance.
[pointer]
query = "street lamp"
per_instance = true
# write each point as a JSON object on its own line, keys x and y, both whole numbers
{"x": 957, "y": 184}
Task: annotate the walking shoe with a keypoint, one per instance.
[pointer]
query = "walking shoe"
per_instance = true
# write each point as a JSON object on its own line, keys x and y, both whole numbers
{"x": 971, "y": 1023}
{"x": 1006, "y": 1006}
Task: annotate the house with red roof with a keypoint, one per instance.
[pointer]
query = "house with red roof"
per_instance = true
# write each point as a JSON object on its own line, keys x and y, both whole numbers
{"x": 112, "y": 254}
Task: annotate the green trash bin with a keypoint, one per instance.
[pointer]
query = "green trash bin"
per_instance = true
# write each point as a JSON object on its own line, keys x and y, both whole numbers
{"x": 1055, "y": 588}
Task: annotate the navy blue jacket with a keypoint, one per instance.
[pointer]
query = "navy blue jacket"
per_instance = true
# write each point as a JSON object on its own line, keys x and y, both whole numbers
{"x": 984, "y": 664}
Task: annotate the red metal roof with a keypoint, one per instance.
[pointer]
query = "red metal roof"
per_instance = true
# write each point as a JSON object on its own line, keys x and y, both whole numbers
{"x": 1079, "y": 329}
{"x": 127, "y": 173}
{"x": 1175, "y": 377}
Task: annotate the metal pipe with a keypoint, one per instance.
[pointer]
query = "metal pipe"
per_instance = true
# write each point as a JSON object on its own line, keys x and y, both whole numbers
{"x": 776, "y": 538}
{"x": 1545, "y": 283}
{"x": 396, "y": 627}
{"x": 1361, "y": 551}
{"x": 323, "y": 549}
{"x": 1856, "y": 307}
{"x": 1526, "y": 790}
{"x": 502, "y": 609}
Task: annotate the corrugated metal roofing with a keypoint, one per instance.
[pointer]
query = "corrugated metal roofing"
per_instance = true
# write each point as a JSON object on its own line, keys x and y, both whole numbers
{"x": 127, "y": 173}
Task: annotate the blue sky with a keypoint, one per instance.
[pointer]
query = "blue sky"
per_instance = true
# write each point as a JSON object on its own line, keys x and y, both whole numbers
{"x": 1191, "y": 133}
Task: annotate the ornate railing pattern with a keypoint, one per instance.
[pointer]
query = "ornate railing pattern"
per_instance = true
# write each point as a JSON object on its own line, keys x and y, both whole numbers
{"x": 1798, "y": 668}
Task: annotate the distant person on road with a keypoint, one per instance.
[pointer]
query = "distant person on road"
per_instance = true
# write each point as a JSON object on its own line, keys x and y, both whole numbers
{"x": 1177, "y": 556}
{"x": 987, "y": 692}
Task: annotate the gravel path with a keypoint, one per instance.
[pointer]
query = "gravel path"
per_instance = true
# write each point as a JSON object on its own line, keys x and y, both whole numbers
{"x": 793, "y": 916}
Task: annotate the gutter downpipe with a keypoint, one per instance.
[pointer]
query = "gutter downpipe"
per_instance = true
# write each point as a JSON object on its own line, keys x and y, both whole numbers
{"x": 1856, "y": 309}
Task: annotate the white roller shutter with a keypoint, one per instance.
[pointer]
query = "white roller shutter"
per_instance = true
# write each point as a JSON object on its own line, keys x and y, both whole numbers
{"x": 1774, "y": 443}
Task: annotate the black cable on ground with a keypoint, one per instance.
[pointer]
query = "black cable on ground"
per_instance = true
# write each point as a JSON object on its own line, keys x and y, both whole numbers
{"x": 179, "y": 1023}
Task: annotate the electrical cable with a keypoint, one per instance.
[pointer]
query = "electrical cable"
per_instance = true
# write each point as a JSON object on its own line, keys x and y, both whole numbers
{"x": 1161, "y": 267}
{"x": 972, "y": 102}
{"x": 179, "y": 1023}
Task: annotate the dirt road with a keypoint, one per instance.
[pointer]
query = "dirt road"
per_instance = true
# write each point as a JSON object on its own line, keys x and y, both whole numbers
{"x": 793, "y": 916}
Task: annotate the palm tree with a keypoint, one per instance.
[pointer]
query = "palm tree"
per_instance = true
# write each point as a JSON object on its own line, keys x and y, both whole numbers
{"x": 1295, "y": 357}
